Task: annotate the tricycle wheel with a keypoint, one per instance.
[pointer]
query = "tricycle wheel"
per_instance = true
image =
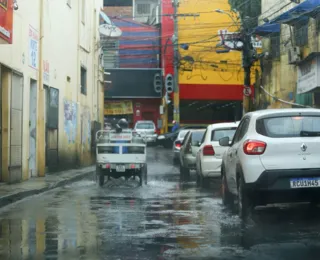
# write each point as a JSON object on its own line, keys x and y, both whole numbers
{"x": 145, "y": 173}
{"x": 101, "y": 180}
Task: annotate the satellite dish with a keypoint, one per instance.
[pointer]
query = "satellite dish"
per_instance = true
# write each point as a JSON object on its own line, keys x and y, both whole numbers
{"x": 109, "y": 30}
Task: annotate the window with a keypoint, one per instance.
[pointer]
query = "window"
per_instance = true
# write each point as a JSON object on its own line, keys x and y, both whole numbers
{"x": 182, "y": 134}
{"x": 301, "y": 33}
{"x": 143, "y": 8}
{"x": 275, "y": 46}
{"x": 241, "y": 130}
{"x": 289, "y": 126}
{"x": 217, "y": 134}
{"x": 83, "y": 11}
{"x": 145, "y": 126}
{"x": 196, "y": 137}
{"x": 110, "y": 53}
{"x": 83, "y": 81}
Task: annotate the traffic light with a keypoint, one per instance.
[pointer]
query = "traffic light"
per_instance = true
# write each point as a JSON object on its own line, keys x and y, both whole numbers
{"x": 169, "y": 83}
{"x": 157, "y": 83}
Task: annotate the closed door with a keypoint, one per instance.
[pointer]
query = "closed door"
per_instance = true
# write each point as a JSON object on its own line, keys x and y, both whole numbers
{"x": 33, "y": 129}
{"x": 15, "y": 167}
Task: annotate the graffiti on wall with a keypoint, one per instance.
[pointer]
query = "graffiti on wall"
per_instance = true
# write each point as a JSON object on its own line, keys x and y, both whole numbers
{"x": 70, "y": 120}
{"x": 86, "y": 126}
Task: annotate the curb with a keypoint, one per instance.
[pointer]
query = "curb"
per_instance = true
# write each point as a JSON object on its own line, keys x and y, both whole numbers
{"x": 12, "y": 198}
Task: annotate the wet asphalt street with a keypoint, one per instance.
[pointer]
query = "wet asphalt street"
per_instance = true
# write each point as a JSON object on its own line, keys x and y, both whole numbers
{"x": 167, "y": 219}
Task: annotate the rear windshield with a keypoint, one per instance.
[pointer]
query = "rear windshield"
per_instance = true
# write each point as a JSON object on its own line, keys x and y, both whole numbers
{"x": 145, "y": 126}
{"x": 291, "y": 126}
{"x": 217, "y": 134}
{"x": 196, "y": 137}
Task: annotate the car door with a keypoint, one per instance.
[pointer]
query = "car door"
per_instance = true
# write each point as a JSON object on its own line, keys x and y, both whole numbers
{"x": 183, "y": 147}
{"x": 198, "y": 160}
{"x": 232, "y": 154}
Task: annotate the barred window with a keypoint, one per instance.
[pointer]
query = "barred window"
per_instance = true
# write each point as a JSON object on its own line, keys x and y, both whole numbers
{"x": 301, "y": 33}
{"x": 143, "y": 8}
{"x": 275, "y": 45}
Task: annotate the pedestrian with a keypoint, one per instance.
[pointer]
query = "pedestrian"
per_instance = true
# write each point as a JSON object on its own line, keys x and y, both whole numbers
{"x": 175, "y": 126}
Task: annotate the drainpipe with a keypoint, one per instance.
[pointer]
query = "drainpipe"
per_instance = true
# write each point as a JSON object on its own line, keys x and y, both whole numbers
{"x": 78, "y": 89}
{"x": 41, "y": 111}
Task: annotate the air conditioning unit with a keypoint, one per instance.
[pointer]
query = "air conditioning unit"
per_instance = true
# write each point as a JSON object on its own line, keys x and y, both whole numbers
{"x": 294, "y": 55}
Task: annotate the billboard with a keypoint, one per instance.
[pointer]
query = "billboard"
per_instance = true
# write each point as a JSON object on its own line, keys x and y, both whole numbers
{"x": 6, "y": 21}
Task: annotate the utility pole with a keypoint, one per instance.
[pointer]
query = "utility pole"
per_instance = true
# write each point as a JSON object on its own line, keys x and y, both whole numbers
{"x": 176, "y": 95}
{"x": 247, "y": 64}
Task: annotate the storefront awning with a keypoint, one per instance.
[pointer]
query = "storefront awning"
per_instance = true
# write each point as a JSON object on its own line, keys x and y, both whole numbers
{"x": 298, "y": 13}
{"x": 267, "y": 29}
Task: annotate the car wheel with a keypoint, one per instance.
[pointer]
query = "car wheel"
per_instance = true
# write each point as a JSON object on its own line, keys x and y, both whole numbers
{"x": 227, "y": 196}
{"x": 243, "y": 201}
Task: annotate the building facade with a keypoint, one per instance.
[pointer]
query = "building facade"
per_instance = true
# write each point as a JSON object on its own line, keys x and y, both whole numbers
{"x": 133, "y": 62}
{"x": 290, "y": 70}
{"x": 51, "y": 88}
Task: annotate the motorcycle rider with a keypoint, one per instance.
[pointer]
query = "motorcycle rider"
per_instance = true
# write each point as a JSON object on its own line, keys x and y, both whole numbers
{"x": 122, "y": 124}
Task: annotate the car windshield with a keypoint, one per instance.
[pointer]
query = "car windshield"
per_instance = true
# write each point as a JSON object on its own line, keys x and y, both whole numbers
{"x": 290, "y": 126}
{"x": 145, "y": 126}
{"x": 217, "y": 134}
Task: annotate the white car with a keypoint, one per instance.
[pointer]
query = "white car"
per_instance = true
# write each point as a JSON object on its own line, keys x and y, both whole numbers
{"x": 147, "y": 129}
{"x": 209, "y": 155}
{"x": 274, "y": 157}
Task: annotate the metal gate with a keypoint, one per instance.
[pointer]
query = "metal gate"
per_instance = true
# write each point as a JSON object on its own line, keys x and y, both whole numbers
{"x": 33, "y": 130}
{"x": 52, "y": 129}
{"x": 15, "y": 166}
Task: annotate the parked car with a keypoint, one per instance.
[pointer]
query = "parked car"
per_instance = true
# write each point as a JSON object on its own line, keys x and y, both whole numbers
{"x": 209, "y": 155}
{"x": 146, "y": 129}
{"x": 273, "y": 158}
{"x": 167, "y": 139}
{"x": 188, "y": 151}
{"x": 177, "y": 145}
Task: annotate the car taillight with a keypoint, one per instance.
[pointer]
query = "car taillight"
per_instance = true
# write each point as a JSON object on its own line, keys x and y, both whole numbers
{"x": 254, "y": 147}
{"x": 177, "y": 145}
{"x": 208, "y": 150}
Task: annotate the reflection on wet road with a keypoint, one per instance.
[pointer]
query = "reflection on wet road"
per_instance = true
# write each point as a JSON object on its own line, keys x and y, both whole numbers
{"x": 165, "y": 220}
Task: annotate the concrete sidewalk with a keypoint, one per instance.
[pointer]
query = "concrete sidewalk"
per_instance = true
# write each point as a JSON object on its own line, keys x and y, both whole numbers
{"x": 14, "y": 192}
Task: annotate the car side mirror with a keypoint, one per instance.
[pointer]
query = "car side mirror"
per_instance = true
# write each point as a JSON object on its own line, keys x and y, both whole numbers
{"x": 199, "y": 144}
{"x": 225, "y": 141}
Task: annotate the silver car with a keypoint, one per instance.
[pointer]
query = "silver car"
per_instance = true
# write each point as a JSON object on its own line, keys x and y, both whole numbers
{"x": 177, "y": 145}
{"x": 146, "y": 129}
{"x": 189, "y": 149}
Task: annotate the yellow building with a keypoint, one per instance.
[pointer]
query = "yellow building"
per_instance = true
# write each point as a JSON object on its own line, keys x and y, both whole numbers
{"x": 210, "y": 79}
{"x": 51, "y": 88}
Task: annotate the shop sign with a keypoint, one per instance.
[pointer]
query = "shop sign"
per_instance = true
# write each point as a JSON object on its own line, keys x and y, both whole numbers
{"x": 308, "y": 76}
{"x": 33, "y": 47}
{"x": 118, "y": 107}
{"x": 46, "y": 71}
{"x": 6, "y": 20}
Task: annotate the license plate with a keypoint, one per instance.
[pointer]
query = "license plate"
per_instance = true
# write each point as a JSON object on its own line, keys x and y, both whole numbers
{"x": 120, "y": 168}
{"x": 304, "y": 183}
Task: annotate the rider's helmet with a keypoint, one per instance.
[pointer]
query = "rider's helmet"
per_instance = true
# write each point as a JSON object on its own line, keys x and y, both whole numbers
{"x": 123, "y": 123}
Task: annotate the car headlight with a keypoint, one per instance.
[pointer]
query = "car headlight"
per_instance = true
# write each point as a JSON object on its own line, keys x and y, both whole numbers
{"x": 161, "y": 137}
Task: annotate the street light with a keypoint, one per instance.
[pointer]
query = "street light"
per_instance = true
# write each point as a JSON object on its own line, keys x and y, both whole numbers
{"x": 223, "y": 12}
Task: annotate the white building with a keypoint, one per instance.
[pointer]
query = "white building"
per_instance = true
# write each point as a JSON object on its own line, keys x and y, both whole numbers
{"x": 51, "y": 87}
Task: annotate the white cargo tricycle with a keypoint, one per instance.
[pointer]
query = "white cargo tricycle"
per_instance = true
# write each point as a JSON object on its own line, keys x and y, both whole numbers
{"x": 120, "y": 154}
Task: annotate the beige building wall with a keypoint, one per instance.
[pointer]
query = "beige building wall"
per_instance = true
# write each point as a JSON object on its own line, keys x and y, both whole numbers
{"x": 280, "y": 77}
{"x": 70, "y": 39}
